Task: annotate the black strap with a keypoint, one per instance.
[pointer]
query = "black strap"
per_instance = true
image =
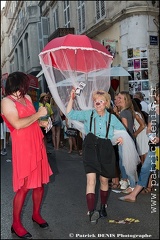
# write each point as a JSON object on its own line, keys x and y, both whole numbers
{"x": 108, "y": 125}
{"x": 109, "y": 120}
{"x": 91, "y": 118}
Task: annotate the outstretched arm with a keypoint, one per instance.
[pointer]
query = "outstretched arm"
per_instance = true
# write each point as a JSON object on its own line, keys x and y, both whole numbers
{"x": 71, "y": 100}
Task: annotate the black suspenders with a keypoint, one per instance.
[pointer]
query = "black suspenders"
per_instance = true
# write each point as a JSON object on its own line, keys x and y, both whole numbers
{"x": 91, "y": 118}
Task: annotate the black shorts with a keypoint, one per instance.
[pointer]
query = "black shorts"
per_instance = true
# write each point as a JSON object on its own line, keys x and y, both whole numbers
{"x": 99, "y": 156}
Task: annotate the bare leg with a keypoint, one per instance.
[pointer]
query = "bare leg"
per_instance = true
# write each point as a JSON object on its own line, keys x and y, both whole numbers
{"x": 74, "y": 143}
{"x": 132, "y": 196}
{"x": 53, "y": 137}
{"x": 58, "y": 131}
{"x": 70, "y": 144}
{"x": 91, "y": 183}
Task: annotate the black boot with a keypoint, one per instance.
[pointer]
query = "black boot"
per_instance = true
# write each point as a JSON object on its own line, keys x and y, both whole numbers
{"x": 93, "y": 216}
{"x": 102, "y": 211}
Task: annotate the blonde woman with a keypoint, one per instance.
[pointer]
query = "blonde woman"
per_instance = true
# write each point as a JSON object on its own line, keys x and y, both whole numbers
{"x": 148, "y": 167}
{"x": 127, "y": 116}
{"x": 98, "y": 153}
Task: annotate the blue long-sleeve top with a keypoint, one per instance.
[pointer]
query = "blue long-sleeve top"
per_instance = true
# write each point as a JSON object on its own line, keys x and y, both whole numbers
{"x": 100, "y": 122}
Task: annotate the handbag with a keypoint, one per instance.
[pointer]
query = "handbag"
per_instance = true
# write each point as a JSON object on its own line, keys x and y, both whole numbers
{"x": 71, "y": 132}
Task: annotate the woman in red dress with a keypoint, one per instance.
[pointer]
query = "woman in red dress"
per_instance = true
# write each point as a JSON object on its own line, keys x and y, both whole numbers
{"x": 31, "y": 169}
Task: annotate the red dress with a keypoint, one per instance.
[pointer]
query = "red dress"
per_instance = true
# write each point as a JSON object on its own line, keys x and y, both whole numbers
{"x": 29, "y": 157}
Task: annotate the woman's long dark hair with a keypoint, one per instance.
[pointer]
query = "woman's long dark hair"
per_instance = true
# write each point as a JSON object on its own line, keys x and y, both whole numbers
{"x": 17, "y": 81}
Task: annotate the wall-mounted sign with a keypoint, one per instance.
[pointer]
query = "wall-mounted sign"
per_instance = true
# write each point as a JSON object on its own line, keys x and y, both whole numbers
{"x": 153, "y": 40}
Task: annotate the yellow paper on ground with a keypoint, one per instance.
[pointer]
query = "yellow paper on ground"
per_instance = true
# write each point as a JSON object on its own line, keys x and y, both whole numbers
{"x": 157, "y": 158}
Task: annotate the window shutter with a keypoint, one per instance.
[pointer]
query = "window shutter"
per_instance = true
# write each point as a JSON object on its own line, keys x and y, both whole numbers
{"x": 79, "y": 20}
{"x": 44, "y": 21}
{"x": 40, "y": 41}
{"x": 83, "y": 17}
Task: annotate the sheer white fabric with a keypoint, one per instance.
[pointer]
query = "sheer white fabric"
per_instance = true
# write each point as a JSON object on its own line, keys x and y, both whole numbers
{"x": 130, "y": 157}
{"x": 83, "y": 65}
{"x": 142, "y": 138}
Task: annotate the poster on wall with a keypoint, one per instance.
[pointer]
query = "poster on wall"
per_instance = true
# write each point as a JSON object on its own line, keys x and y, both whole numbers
{"x": 110, "y": 45}
{"x": 130, "y": 53}
{"x": 134, "y": 86}
{"x": 138, "y": 69}
{"x": 144, "y": 74}
{"x": 145, "y": 85}
{"x": 136, "y": 63}
{"x": 137, "y": 75}
{"x": 136, "y": 52}
{"x": 144, "y": 63}
{"x": 130, "y": 65}
{"x": 139, "y": 86}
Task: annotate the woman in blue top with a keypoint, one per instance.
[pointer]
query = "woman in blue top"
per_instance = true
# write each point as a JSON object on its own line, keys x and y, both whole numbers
{"x": 148, "y": 168}
{"x": 98, "y": 152}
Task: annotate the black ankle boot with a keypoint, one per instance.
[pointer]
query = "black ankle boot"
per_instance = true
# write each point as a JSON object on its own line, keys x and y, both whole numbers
{"x": 102, "y": 211}
{"x": 93, "y": 216}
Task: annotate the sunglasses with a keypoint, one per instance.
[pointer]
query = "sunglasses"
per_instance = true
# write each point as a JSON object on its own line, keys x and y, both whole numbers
{"x": 99, "y": 102}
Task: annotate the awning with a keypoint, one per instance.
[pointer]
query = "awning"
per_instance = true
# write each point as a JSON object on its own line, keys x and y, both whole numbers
{"x": 119, "y": 72}
{"x": 33, "y": 81}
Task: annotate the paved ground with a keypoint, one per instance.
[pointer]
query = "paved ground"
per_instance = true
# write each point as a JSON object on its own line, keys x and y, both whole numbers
{"x": 64, "y": 205}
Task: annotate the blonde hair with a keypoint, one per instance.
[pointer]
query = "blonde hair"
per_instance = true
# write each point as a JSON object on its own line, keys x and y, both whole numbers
{"x": 52, "y": 101}
{"x": 103, "y": 94}
{"x": 128, "y": 102}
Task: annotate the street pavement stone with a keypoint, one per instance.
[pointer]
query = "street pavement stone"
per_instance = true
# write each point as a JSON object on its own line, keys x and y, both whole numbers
{"x": 64, "y": 205}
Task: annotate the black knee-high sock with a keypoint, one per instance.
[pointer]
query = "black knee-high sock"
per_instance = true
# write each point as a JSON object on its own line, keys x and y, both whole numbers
{"x": 104, "y": 195}
{"x": 90, "y": 197}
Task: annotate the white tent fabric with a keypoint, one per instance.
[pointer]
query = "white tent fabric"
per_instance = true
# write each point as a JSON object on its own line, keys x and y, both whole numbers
{"x": 130, "y": 158}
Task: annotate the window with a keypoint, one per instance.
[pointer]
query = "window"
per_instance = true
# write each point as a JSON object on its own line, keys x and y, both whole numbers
{"x": 12, "y": 65}
{"x": 55, "y": 18}
{"x": 100, "y": 10}
{"x": 66, "y": 14}
{"x": 21, "y": 57}
{"x": 17, "y": 60}
{"x": 81, "y": 16}
{"x": 27, "y": 45}
{"x": 43, "y": 32}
